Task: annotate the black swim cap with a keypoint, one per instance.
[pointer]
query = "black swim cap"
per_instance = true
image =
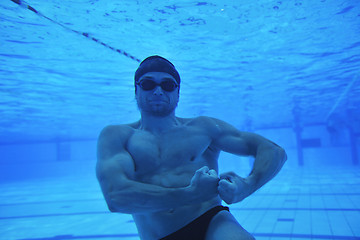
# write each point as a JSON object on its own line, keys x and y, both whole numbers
{"x": 156, "y": 64}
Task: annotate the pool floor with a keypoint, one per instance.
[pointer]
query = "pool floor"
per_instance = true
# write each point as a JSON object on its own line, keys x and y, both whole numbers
{"x": 321, "y": 203}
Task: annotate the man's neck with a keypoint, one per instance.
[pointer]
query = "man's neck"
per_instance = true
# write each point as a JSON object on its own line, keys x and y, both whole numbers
{"x": 158, "y": 124}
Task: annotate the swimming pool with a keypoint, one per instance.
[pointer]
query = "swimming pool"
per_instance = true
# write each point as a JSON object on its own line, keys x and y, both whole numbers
{"x": 286, "y": 70}
{"x": 297, "y": 204}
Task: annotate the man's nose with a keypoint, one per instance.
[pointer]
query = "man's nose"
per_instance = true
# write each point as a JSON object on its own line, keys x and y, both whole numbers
{"x": 158, "y": 91}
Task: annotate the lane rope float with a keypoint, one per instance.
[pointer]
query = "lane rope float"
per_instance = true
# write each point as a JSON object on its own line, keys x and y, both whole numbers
{"x": 23, "y": 4}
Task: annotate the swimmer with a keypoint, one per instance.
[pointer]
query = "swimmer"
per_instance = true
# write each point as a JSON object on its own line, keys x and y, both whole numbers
{"x": 163, "y": 169}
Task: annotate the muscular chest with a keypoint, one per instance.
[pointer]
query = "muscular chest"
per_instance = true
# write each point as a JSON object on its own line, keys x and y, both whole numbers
{"x": 178, "y": 147}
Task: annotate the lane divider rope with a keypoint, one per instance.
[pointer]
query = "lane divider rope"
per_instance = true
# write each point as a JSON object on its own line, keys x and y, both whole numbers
{"x": 84, "y": 34}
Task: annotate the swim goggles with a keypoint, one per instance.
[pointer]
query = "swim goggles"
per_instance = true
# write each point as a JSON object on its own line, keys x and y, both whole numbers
{"x": 166, "y": 85}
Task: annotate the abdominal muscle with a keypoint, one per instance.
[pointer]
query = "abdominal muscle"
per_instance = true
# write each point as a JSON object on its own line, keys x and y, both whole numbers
{"x": 155, "y": 225}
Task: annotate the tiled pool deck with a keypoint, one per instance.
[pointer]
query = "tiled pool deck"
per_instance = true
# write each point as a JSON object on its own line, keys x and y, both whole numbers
{"x": 297, "y": 204}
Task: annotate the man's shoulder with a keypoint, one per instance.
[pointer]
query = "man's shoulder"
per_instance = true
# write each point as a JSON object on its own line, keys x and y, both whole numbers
{"x": 204, "y": 122}
{"x": 213, "y": 126}
{"x": 118, "y": 131}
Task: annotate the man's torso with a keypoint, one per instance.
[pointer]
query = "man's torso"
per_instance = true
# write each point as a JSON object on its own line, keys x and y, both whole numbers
{"x": 170, "y": 159}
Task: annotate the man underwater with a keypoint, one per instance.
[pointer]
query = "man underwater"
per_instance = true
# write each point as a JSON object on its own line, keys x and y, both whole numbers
{"x": 163, "y": 169}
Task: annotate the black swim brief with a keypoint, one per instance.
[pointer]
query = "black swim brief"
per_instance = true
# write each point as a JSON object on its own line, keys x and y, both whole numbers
{"x": 196, "y": 230}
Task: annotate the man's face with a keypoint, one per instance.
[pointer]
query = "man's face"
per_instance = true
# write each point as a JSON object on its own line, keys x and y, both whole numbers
{"x": 157, "y": 101}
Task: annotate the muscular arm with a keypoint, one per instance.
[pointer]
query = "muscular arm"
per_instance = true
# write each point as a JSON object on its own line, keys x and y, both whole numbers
{"x": 269, "y": 157}
{"x": 125, "y": 195}
{"x": 115, "y": 171}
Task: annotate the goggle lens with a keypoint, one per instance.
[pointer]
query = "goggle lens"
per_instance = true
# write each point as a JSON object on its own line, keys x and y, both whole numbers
{"x": 167, "y": 86}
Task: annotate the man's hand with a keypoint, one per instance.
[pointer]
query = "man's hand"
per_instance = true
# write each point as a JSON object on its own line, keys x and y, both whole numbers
{"x": 233, "y": 188}
{"x": 204, "y": 183}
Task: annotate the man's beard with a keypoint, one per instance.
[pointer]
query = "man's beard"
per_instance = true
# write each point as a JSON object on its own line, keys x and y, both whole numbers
{"x": 158, "y": 111}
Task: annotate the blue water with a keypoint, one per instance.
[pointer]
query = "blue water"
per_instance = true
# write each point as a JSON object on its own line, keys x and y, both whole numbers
{"x": 286, "y": 70}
